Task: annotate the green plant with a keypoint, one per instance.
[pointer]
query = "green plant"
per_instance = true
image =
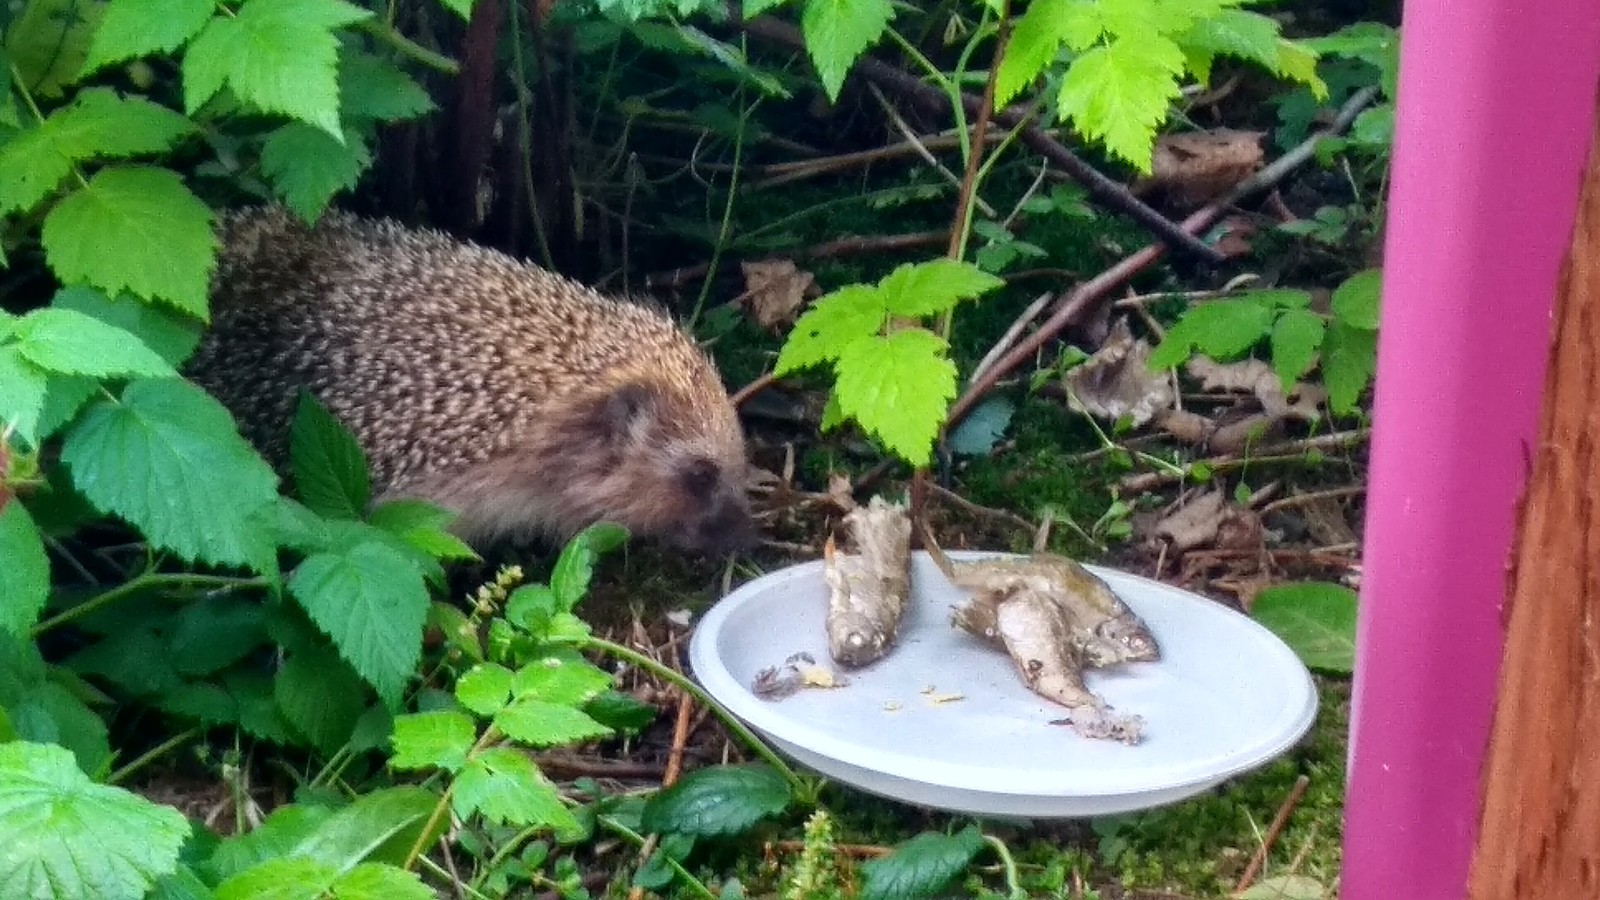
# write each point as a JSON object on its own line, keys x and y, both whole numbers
{"x": 1343, "y": 343}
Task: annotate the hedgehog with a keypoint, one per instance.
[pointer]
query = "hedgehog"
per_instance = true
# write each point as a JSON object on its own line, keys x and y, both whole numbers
{"x": 526, "y": 403}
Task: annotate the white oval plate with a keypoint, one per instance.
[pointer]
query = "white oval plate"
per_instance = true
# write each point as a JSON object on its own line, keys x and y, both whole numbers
{"x": 1226, "y": 697}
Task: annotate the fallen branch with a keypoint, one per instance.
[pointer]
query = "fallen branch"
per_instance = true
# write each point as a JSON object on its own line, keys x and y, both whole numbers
{"x": 1274, "y": 831}
{"x": 1100, "y": 187}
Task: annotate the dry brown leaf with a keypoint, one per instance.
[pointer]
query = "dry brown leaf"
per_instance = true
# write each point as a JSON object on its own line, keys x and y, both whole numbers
{"x": 1253, "y": 376}
{"x": 1196, "y": 523}
{"x": 1326, "y": 522}
{"x": 1190, "y": 427}
{"x": 775, "y": 289}
{"x": 1115, "y": 381}
{"x": 1195, "y": 168}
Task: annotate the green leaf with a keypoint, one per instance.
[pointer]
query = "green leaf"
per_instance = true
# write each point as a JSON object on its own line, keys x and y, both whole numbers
{"x": 920, "y": 867}
{"x": 827, "y": 329}
{"x": 567, "y": 680}
{"x": 899, "y": 389}
{"x": 62, "y": 340}
{"x": 837, "y": 32}
{"x": 1284, "y": 887}
{"x": 539, "y": 723}
{"x": 48, "y": 42}
{"x": 1035, "y": 40}
{"x": 423, "y": 526}
{"x": 1238, "y": 33}
{"x": 1355, "y": 301}
{"x": 138, "y": 229}
{"x": 372, "y": 602}
{"x": 485, "y": 688}
{"x": 330, "y": 472}
{"x": 319, "y": 695}
{"x": 380, "y": 826}
{"x": 281, "y": 879}
{"x": 285, "y": 827}
{"x": 25, "y": 577}
{"x": 1316, "y": 619}
{"x": 50, "y": 713}
{"x": 1221, "y": 329}
{"x": 462, "y": 8}
{"x": 172, "y": 336}
{"x": 62, "y": 835}
{"x": 1295, "y": 338}
{"x": 504, "y": 786}
{"x": 1119, "y": 93}
{"x": 621, "y": 712}
{"x": 926, "y": 288}
{"x": 135, "y": 28}
{"x": 371, "y": 87}
{"x": 278, "y": 55}
{"x": 377, "y": 881}
{"x": 169, "y": 460}
{"x": 574, "y": 568}
{"x": 432, "y": 739}
{"x": 307, "y": 166}
{"x": 212, "y": 633}
{"x": 1349, "y": 358}
{"x": 719, "y": 801}
{"x": 22, "y": 393}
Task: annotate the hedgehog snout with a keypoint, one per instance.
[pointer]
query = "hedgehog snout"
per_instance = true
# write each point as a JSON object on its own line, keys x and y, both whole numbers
{"x": 723, "y": 526}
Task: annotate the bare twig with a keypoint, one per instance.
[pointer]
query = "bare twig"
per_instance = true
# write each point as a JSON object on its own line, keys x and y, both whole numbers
{"x": 755, "y": 387}
{"x": 1015, "y": 331}
{"x": 1314, "y": 496}
{"x": 911, "y": 137}
{"x": 1274, "y": 831}
{"x": 846, "y": 246}
{"x": 1102, "y": 188}
{"x": 1291, "y": 451}
{"x": 1077, "y": 304}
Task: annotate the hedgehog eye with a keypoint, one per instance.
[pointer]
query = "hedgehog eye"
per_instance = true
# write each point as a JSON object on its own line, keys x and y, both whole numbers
{"x": 700, "y": 477}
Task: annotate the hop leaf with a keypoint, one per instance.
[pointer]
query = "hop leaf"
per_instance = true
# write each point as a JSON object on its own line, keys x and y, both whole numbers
{"x": 62, "y": 835}
{"x": 503, "y": 786}
{"x": 138, "y": 229}
{"x": 921, "y": 866}
{"x": 25, "y": 578}
{"x": 717, "y": 801}
{"x": 169, "y": 459}
{"x": 307, "y": 166}
{"x": 830, "y": 326}
{"x": 279, "y": 55}
{"x": 1295, "y": 338}
{"x": 134, "y": 28}
{"x": 1035, "y": 41}
{"x": 1233, "y": 32}
{"x": 372, "y": 602}
{"x": 1120, "y": 92}
{"x": 923, "y": 289}
{"x": 899, "y": 389}
{"x": 66, "y": 341}
{"x": 837, "y": 33}
{"x": 330, "y": 472}
{"x": 439, "y": 738}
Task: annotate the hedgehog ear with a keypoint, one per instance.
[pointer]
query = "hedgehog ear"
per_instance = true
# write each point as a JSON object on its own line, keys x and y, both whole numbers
{"x": 623, "y": 411}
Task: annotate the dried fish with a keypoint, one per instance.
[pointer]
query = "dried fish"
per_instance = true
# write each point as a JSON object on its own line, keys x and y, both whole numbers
{"x": 1104, "y": 629}
{"x": 868, "y": 589}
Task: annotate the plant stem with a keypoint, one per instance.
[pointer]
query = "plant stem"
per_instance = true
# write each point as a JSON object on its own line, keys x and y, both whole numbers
{"x": 683, "y": 683}
{"x": 727, "y": 208}
{"x": 638, "y": 841}
{"x": 143, "y": 582}
{"x": 385, "y": 34}
{"x": 1013, "y": 882}
{"x": 491, "y": 735}
{"x": 152, "y": 754}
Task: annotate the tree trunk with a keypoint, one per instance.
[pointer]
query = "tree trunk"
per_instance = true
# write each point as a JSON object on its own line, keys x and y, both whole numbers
{"x": 1539, "y": 828}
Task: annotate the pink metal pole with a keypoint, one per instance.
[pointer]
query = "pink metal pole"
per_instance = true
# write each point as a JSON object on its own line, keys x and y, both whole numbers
{"x": 1495, "y": 115}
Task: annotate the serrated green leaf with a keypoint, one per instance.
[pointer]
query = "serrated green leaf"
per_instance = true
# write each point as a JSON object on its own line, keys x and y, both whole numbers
{"x": 22, "y": 393}
{"x": 432, "y": 739}
{"x": 168, "y": 459}
{"x": 169, "y": 334}
{"x": 504, "y": 786}
{"x": 307, "y": 166}
{"x": 1296, "y": 337}
{"x": 98, "y": 124}
{"x": 718, "y": 801}
{"x": 182, "y": 884}
{"x": 1238, "y": 33}
{"x": 380, "y": 826}
{"x": 25, "y": 577}
{"x": 330, "y": 471}
{"x": 898, "y": 388}
{"x": 462, "y": 8}
{"x": 423, "y": 526}
{"x": 281, "y": 879}
{"x": 920, "y": 867}
{"x": 278, "y": 55}
{"x": 51, "y": 814}
{"x": 135, "y": 28}
{"x": 837, "y": 32}
{"x": 48, "y": 42}
{"x": 1349, "y": 357}
{"x": 1355, "y": 301}
{"x": 539, "y": 723}
{"x": 371, "y": 87}
{"x": 1316, "y": 619}
{"x": 570, "y": 576}
{"x": 320, "y": 696}
{"x": 137, "y": 229}
{"x": 568, "y": 681}
{"x": 830, "y": 326}
{"x": 926, "y": 288}
{"x": 1035, "y": 40}
{"x": 1119, "y": 93}
{"x": 372, "y": 602}
{"x": 377, "y": 881}
{"x": 1221, "y": 329}
{"x": 52, "y": 714}
{"x": 285, "y": 827}
{"x": 212, "y": 633}
{"x": 69, "y": 342}
{"x": 531, "y": 608}
{"x": 485, "y": 688}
